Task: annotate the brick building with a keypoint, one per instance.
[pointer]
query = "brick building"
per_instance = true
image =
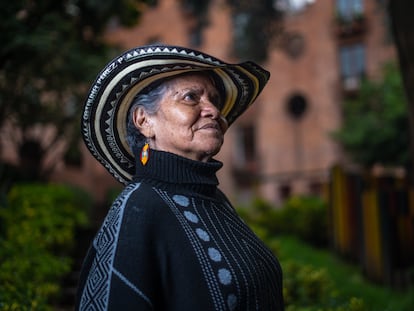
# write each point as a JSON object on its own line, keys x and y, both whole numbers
{"x": 281, "y": 146}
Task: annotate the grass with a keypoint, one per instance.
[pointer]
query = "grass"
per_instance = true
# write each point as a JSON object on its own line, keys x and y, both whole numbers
{"x": 347, "y": 278}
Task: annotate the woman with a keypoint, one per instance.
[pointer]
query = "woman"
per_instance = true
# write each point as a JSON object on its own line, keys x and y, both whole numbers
{"x": 154, "y": 118}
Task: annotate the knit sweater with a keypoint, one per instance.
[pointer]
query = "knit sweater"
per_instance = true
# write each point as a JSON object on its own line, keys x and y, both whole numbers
{"x": 171, "y": 241}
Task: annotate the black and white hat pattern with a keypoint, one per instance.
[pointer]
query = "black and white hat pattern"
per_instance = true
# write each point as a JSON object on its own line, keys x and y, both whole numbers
{"x": 104, "y": 119}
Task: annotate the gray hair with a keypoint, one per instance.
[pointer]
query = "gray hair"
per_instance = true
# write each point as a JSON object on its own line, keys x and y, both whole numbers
{"x": 149, "y": 99}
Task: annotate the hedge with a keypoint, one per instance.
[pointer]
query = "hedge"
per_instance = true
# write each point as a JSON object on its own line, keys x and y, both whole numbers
{"x": 38, "y": 224}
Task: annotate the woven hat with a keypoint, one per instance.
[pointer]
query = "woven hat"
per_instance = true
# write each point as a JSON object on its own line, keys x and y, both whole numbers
{"x": 104, "y": 120}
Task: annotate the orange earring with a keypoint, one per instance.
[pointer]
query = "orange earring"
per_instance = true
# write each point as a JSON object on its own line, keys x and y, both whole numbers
{"x": 145, "y": 154}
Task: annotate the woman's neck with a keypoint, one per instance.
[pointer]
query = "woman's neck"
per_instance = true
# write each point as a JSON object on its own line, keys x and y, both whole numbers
{"x": 164, "y": 167}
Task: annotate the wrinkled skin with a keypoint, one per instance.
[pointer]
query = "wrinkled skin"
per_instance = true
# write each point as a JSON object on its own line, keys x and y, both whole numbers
{"x": 188, "y": 121}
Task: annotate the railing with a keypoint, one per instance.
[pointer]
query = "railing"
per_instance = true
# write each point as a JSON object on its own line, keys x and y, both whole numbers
{"x": 372, "y": 222}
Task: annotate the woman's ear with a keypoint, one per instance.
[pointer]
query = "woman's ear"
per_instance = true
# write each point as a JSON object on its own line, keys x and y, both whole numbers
{"x": 142, "y": 121}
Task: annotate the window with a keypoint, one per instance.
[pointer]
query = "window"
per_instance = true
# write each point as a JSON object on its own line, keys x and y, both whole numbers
{"x": 349, "y": 9}
{"x": 292, "y": 6}
{"x": 315, "y": 188}
{"x": 246, "y": 146}
{"x": 285, "y": 192}
{"x": 196, "y": 36}
{"x": 240, "y": 25}
{"x": 352, "y": 58}
{"x": 296, "y": 106}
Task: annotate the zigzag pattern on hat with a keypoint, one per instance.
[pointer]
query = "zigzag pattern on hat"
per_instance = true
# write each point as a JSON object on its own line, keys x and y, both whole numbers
{"x": 106, "y": 108}
{"x": 138, "y": 52}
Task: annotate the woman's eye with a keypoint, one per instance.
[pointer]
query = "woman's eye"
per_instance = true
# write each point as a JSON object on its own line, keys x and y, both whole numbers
{"x": 190, "y": 96}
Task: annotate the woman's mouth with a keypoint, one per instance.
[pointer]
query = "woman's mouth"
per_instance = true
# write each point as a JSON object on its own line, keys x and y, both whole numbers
{"x": 210, "y": 126}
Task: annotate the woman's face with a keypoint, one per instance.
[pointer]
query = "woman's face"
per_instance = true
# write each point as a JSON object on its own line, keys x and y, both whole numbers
{"x": 188, "y": 121}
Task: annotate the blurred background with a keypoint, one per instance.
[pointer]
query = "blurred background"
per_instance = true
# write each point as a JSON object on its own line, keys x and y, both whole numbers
{"x": 320, "y": 166}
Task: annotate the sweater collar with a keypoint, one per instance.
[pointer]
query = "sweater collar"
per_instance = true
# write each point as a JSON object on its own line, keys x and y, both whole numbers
{"x": 165, "y": 167}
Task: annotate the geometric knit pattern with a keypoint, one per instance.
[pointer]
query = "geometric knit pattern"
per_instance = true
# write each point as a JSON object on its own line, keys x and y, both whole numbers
{"x": 96, "y": 291}
{"x": 177, "y": 246}
{"x": 241, "y": 247}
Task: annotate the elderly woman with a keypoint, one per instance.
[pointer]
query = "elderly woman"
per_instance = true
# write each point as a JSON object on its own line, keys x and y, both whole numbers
{"x": 155, "y": 117}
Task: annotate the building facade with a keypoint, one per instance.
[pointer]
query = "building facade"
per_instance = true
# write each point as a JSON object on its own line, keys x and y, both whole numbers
{"x": 282, "y": 145}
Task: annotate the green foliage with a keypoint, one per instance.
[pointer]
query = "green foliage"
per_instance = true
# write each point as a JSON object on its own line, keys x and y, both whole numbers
{"x": 259, "y": 213}
{"x": 375, "y": 127}
{"x": 50, "y": 51}
{"x": 307, "y": 218}
{"x": 310, "y": 288}
{"x": 112, "y": 194}
{"x": 305, "y": 287}
{"x": 346, "y": 289}
{"x": 313, "y": 278}
{"x": 37, "y": 233}
{"x": 303, "y": 216}
{"x": 305, "y": 284}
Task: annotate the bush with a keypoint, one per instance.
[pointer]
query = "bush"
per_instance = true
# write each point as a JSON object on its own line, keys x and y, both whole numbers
{"x": 303, "y": 216}
{"x": 261, "y": 216}
{"x": 305, "y": 287}
{"x": 307, "y": 218}
{"x": 38, "y": 226}
{"x": 308, "y": 288}
{"x": 304, "y": 284}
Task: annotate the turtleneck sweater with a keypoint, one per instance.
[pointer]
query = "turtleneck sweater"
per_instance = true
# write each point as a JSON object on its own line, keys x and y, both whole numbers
{"x": 172, "y": 241}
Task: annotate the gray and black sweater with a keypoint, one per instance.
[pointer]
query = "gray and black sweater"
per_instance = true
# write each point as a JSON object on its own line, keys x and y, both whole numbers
{"x": 171, "y": 241}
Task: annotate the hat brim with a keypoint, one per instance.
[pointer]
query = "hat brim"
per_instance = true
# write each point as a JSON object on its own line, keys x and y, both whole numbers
{"x": 104, "y": 120}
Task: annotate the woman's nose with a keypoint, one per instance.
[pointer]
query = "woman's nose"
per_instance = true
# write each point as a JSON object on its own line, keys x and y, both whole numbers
{"x": 208, "y": 109}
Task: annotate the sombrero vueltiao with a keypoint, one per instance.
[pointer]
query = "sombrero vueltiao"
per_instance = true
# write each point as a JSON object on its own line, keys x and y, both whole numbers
{"x": 105, "y": 112}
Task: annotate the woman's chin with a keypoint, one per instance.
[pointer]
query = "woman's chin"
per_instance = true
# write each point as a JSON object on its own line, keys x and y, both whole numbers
{"x": 210, "y": 152}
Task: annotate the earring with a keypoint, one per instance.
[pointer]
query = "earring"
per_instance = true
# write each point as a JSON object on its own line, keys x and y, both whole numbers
{"x": 145, "y": 154}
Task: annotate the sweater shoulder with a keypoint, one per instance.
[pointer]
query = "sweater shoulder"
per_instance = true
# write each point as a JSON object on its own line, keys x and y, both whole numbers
{"x": 140, "y": 199}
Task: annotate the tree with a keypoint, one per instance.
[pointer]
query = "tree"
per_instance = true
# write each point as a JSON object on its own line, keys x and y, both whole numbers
{"x": 375, "y": 127}
{"x": 50, "y": 52}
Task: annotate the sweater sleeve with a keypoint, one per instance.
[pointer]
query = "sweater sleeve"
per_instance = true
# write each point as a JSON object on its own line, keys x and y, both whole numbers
{"x": 118, "y": 272}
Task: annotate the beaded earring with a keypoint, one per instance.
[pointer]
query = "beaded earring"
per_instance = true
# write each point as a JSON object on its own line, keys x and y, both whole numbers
{"x": 145, "y": 153}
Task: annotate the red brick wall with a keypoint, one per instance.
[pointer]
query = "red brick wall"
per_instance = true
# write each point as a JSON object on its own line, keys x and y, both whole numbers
{"x": 289, "y": 153}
